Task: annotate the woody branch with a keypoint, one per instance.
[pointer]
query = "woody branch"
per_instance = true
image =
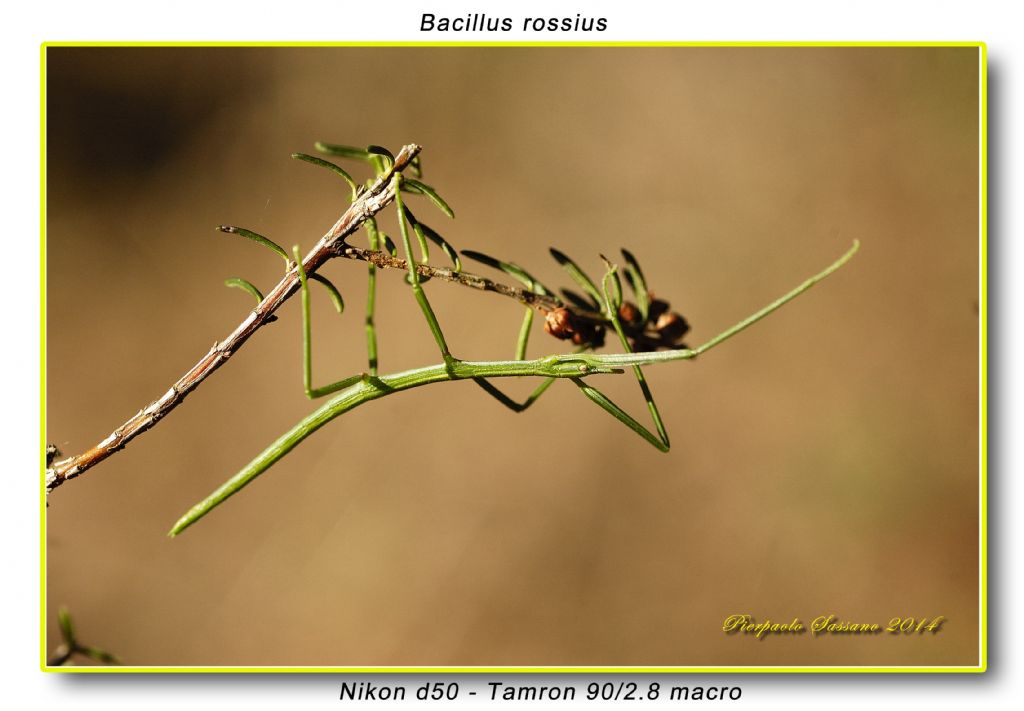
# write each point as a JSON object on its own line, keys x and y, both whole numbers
{"x": 366, "y": 205}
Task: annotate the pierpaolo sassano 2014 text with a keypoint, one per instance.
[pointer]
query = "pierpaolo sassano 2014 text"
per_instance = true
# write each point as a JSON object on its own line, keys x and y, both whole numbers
{"x": 481, "y": 22}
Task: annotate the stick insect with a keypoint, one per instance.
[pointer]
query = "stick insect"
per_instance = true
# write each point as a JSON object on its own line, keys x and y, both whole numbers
{"x": 647, "y": 332}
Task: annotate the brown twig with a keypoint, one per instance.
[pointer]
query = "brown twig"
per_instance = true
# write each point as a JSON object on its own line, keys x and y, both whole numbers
{"x": 367, "y": 204}
{"x": 662, "y": 330}
{"x": 383, "y": 260}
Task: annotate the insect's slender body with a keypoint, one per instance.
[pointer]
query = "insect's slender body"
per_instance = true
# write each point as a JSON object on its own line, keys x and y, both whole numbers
{"x": 648, "y": 327}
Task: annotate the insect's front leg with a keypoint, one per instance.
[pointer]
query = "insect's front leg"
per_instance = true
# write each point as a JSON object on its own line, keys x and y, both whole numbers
{"x": 307, "y": 337}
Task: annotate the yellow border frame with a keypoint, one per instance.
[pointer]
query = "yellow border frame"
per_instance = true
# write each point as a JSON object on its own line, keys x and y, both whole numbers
{"x": 983, "y": 384}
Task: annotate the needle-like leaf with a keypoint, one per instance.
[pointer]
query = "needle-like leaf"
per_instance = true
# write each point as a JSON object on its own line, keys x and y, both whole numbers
{"x": 418, "y": 188}
{"x": 637, "y": 283}
{"x": 258, "y": 238}
{"x": 388, "y": 156}
{"x": 335, "y": 149}
{"x": 339, "y": 303}
{"x": 416, "y": 166}
{"x": 338, "y": 170}
{"x": 67, "y": 627}
{"x": 441, "y": 242}
{"x": 240, "y": 283}
{"x": 577, "y": 274}
{"x": 580, "y": 301}
{"x": 421, "y": 236}
{"x": 513, "y": 270}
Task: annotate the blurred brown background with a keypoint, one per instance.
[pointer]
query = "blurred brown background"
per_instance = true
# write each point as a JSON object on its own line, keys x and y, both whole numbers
{"x": 824, "y": 462}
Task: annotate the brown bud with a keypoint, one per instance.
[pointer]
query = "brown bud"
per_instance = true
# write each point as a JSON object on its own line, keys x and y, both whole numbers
{"x": 558, "y": 322}
{"x": 671, "y": 327}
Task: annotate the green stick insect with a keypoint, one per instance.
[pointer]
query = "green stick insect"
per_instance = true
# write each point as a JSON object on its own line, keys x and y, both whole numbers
{"x": 647, "y": 331}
